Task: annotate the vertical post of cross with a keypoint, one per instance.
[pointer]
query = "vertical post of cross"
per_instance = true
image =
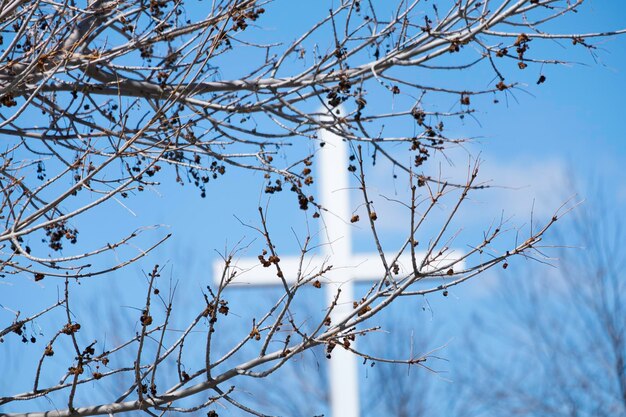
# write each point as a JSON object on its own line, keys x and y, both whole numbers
{"x": 334, "y": 190}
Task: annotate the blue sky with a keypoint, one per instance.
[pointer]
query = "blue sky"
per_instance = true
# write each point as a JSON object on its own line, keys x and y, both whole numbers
{"x": 536, "y": 144}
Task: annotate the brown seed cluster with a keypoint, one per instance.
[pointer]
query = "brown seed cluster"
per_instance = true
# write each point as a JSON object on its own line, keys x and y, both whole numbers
{"x": 58, "y": 231}
{"x": 272, "y": 259}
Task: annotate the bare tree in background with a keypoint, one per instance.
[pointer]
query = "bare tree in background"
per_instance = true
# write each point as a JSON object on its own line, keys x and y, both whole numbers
{"x": 565, "y": 334}
{"x": 405, "y": 390}
{"x": 104, "y": 99}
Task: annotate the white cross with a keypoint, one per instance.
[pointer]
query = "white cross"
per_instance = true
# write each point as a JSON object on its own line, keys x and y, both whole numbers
{"x": 347, "y": 268}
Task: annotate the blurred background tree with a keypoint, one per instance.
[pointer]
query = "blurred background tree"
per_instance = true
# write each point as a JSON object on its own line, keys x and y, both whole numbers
{"x": 558, "y": 345}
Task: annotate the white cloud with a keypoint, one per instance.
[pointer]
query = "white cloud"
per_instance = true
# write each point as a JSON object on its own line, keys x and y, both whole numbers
{"x": 517, "y": 188}
{"x": 520, "y": 186}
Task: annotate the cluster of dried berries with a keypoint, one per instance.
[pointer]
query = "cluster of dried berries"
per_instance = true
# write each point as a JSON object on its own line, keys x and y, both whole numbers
{"x": 272, "y": 259}
{"x": 434, "y": 133}
{"x": 521, "y": 44}
{"x": 19, "y": 328}
{"x": 346, "y": 340}
{"x": 329, "y": 348}
{"x": 41, "y": 171}
{"x": 241, "y": 16}
{"x": 362, "y": 309}
{"x": 214, "y": 306}
{"x": 8, "y": 100}
{"x": 195, "y": 174}
{"x": 56, "y": 232}
{"x": 274, "y": 188}
{"x": 14, "y": 248}
{"x": 76, "y": 370}
{"x": 146, "y": 318}
{"x": 255, "y": 334}
{"x": 70, "y": 328}
{"x": 340, "y": 92}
